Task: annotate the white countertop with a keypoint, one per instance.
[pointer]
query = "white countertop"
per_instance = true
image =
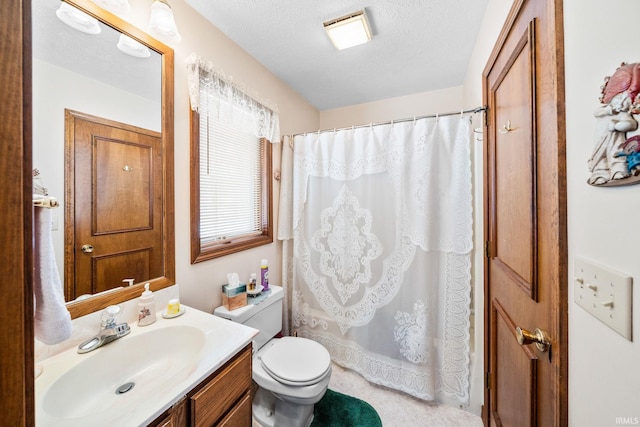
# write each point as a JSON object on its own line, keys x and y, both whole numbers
{"x": 223, "y": 339}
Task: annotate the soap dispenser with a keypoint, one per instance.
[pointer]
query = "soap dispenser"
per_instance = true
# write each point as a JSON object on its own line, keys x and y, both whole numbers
{"x": 146, "y": 307}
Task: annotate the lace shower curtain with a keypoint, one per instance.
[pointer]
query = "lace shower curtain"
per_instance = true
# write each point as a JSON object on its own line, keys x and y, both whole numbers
{"x": 376, "y": 224}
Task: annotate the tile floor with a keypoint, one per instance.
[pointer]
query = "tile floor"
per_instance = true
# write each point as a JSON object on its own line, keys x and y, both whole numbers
{"x": 398, "y": 409}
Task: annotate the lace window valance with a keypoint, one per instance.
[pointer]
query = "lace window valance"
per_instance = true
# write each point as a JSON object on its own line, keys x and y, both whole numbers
{"x": 232, "y": 103}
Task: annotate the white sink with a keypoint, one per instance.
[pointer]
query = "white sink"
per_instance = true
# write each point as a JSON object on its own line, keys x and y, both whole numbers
{"x": 141, "y": 364}
{"x": 134, "y": 379}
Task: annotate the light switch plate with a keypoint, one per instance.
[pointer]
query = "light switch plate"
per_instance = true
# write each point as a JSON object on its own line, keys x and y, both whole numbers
{"x": 605, "y": 293}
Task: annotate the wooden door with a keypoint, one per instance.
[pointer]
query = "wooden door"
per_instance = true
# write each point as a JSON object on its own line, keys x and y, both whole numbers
{"x": 525, "y": 221}
{"x": 114, "y": 204}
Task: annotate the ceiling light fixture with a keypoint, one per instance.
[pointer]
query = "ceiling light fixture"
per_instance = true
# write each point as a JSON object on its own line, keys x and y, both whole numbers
{"x": 349, "y": 30}
{"x": 133, "y": 47}
{"x": 119, "y": 7}
{"x": 77, "y": 19}
{"x": 162, "y": 24}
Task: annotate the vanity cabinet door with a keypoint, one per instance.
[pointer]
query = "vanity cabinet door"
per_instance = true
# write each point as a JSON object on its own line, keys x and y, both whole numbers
{"x": 168, "y": 421}
{"x": 175, "y": 417}
{"x": 217, "y": 397}
{"x": 240, "y": 415}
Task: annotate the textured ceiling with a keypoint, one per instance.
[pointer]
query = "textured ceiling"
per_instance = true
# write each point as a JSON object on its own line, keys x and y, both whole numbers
{"x": 417, "y": 46}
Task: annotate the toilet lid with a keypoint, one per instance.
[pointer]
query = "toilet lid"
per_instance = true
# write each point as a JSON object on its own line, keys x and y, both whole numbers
{"x": 296, "y": 361}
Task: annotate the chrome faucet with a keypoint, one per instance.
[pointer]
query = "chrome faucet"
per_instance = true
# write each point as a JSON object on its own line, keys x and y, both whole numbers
{"x": 110, "y": 330}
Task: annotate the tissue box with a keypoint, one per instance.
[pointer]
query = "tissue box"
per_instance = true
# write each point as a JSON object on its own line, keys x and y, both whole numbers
{"x": 235, "y": 297}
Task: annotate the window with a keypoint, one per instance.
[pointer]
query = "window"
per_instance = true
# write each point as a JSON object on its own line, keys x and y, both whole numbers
{"x": 230, "y": 173}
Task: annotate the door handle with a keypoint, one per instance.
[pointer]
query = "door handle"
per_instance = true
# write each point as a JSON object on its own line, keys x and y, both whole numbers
{"x": 87, "y": 249}
{"x": 539, "y": 337}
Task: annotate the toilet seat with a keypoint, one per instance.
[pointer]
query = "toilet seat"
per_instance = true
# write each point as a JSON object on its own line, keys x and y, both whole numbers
{"x": 296, "y": 361}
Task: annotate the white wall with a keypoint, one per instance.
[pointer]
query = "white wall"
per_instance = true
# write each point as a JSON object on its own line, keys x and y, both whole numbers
{"x": 419, "y": 104}
{"x": 604, "y": 368}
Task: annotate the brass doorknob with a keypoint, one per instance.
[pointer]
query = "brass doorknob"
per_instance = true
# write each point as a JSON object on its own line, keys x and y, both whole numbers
{"x": 539, "y": 337}
{"x": 87, "y": 249}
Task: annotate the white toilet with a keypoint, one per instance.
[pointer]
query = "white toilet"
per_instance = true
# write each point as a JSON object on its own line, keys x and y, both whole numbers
{"x": 292, "y": 373}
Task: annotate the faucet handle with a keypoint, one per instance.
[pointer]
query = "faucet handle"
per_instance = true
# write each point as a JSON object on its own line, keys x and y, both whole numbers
{"x": 109, "y": 316}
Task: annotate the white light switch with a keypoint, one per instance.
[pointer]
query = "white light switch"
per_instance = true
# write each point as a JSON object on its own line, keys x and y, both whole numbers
{"x": 605, "y": 293}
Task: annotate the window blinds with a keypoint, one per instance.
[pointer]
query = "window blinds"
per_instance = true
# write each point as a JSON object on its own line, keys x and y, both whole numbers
{"x": 230, "y": 181}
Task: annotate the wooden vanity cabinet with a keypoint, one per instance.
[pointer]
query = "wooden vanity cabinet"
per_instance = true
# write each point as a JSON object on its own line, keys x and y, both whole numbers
{"x": 223, "y": 399}
{"x": 219, "y": 395}
{"x": 174, "y": 417}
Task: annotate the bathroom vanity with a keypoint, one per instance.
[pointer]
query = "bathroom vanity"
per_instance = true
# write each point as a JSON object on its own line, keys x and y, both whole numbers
{"x": 191, "y": 370}
{"x": 223, "y": 399}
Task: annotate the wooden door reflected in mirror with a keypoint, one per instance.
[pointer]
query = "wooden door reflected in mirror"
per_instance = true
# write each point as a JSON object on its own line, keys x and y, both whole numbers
{"x": 114, "y": 205}
{"x": 109, "y": 84}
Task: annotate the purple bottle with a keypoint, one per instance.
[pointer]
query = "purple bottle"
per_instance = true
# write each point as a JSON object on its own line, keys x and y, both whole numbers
{"x": 264, "y": 275}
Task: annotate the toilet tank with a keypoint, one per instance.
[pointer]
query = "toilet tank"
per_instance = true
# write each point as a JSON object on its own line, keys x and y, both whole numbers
{"x": 265, "y": 316}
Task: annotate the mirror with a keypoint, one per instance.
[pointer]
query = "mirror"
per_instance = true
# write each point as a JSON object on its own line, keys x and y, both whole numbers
{"x": 89, "y": 75}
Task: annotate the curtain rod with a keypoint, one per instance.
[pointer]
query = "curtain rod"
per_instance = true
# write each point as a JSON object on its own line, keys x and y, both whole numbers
{"x": 408, "y": 119}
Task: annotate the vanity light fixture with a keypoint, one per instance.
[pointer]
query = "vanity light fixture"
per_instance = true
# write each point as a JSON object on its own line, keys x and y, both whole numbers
{"x": 349, "y": 30}
{"x": 119, "y": 7}
{"x": 133, "y": 47}
{"x": 162, "y": 24}
{"x": 78, "y": 19}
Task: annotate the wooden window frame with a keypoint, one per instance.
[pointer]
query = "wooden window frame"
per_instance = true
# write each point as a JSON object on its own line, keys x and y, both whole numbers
{"x": 201, "y": 253}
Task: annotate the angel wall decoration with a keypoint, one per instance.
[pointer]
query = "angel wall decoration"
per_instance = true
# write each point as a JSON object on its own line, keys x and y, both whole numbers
{"x": 616, "y": 156}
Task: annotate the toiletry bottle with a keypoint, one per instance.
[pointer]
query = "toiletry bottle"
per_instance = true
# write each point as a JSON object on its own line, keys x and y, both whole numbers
{"x": 146, "y": 307}
{"x": 252, "y": 282}
{"x": 264, "y": 274}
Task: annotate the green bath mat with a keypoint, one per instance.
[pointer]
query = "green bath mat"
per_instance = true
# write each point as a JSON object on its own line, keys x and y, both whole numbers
{"x": 339, "y": 410}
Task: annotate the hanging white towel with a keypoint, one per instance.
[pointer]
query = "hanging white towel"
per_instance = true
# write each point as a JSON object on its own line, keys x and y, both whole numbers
{"x": 52, "y": 319}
